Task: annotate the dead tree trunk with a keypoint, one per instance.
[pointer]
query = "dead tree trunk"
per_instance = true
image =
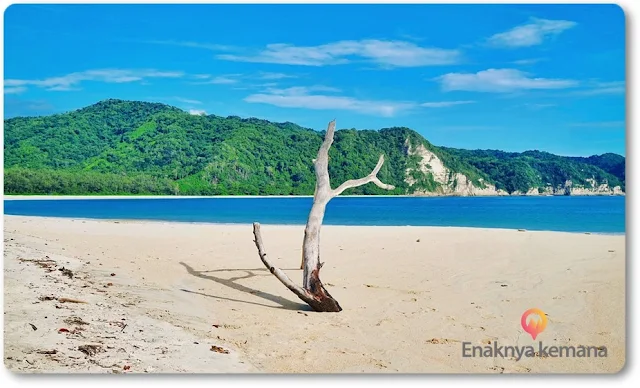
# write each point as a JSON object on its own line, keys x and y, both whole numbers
{"x": 313, "y": 291}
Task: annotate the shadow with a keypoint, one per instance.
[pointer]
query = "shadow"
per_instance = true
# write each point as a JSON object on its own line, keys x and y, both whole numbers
{"x": 247, "y": 269}
{"x": 283, "y": 302}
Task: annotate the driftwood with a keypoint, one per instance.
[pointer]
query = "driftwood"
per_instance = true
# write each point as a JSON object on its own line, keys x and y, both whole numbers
{"x": 313, "y": 291}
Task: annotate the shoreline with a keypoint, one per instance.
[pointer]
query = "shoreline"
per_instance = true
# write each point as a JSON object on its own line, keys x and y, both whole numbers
{"x": 411, "y": 297}
{"x": 249, "y": 224}
{"x": 70, "y": 197}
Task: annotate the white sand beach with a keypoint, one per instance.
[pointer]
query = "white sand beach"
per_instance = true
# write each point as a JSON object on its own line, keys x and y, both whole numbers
{"x": 159, "y": 295}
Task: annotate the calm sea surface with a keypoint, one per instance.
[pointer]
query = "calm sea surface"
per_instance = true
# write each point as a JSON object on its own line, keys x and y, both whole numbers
{"x": 571, "y": 214}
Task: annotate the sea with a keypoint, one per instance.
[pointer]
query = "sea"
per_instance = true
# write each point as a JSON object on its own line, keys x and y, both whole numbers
{"x": 593, "y": 214}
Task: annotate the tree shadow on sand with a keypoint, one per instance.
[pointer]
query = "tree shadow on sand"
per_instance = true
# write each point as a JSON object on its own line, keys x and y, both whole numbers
{"x": 231, "y": 283}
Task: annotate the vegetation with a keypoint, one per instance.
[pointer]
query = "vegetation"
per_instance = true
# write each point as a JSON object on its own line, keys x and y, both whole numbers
{"x": 129, "y": 147}
{"x": 513, "y": 171}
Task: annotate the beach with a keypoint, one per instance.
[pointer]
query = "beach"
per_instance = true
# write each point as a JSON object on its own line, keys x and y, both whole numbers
{"x": 176, "y": 297}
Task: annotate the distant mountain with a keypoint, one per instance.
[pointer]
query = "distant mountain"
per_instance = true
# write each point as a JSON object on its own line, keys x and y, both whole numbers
{"x": 131, "y": 147}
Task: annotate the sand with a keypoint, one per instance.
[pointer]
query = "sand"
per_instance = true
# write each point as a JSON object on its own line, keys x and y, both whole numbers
{"x": 411, "y": 297}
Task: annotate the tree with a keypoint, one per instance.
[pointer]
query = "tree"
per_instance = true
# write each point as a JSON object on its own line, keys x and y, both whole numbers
{"x": 312, "y": 291}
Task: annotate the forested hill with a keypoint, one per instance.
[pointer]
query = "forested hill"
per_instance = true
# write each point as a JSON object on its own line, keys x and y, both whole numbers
{"x": 131, "y": 147}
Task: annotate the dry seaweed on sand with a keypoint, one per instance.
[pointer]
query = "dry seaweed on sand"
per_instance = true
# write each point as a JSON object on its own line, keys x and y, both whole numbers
{"x": 42, "y": 263}
{"x": 75, "y": 321}
{"x": 218, "y": 349}
{"x": 90, "y": 349}
{"x": 47, "y": 351}
{"x": 66, "y": 272}
{"x": 70, "y": 300}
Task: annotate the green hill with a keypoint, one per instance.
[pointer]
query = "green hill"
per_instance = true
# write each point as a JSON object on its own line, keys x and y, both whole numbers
{"x": 521, "y": 172}
{"x": 130, "y": 147}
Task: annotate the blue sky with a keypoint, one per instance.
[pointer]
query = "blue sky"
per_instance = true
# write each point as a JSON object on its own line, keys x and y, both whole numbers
{"x": 511, "y": 77}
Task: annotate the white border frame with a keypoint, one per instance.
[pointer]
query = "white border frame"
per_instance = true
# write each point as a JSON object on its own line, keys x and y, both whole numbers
{"x": 629, "y": 376}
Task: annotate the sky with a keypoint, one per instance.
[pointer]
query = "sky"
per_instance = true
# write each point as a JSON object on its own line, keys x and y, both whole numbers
{"x": 510, "y": 77}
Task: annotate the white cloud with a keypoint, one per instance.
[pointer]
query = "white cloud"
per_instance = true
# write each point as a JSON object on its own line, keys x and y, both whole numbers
{"x": 445, "y": 104}
{"x": 14, "y": 90}
{"x": 301, "y": 97}
{"x": 600, "y": 88}
{"x": 265, "y": 85}
{"x": 224, "y": 79}
{"x": 500, "y": 81}
{"x": 274, "y": 76}
{"x": 538, "y": 106}
{"x": 229, "y": 79}
{"x": 197, "y": 112}
{"x": 529, "y": 61}
{"x": 384, "y": 53}
{"x": 530, "y": 34}
{"x": 301, "y": 90}
{"x": 73, "y": 80}
{"x": 62, "y": 88}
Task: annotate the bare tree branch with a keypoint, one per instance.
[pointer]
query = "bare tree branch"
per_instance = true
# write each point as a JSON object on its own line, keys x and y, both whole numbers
{"x": 328, "y": 139}
{"x": 313, "y": 291}
{"x": 363, "y": 181}
{"x": 274, "y": 270}
{"x": 321, "y": 165}
{"x": 319, "y": 299}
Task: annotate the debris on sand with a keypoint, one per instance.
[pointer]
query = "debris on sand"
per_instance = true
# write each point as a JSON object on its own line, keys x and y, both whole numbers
{"x": 90, "y": 350}
{"x": 69, "y": 300}
{"x": 66, "y": 272}
{"x": 42, "y": 263}
{"x": 440, "y": 341}
{"x": 218, "y": 349}
{"x": 77, "y": 330}
{"x": 75, "y": 321}
{"x": 120, "y": 324}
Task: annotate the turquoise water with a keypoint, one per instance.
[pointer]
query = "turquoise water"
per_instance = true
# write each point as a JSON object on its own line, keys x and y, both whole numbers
{"x": 570, "y": 214}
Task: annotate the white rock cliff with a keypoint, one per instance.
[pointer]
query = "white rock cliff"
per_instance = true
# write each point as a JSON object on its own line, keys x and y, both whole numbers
{"x": 457, "y": 184}
{"x": 450, "y": 183}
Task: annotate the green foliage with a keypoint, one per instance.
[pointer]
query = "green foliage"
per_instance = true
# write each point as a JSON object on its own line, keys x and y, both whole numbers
{"x": 512, "y": 171}
{"x": 19, "y": 180}
{"x": 129, "y": 147}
